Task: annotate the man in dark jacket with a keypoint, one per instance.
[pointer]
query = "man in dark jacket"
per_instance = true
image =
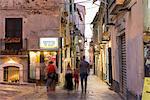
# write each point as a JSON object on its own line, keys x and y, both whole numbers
{"x": 84, "y": 71}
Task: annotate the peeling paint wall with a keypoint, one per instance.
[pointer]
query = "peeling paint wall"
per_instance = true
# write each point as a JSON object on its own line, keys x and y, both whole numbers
{"x": 41, "y": 18}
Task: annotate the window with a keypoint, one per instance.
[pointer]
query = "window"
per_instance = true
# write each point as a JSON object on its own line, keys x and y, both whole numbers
{"x": 75, "y": 8}
{"x": 13, "y": 29}
{"x": 70, "y": 7}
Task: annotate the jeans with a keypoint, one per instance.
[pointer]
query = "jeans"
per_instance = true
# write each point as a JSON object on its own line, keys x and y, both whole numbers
{"x": 83, "y": 77}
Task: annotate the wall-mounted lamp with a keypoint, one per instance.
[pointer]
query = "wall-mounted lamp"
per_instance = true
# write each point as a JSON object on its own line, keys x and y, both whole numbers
{"x": 80, "y": 41}
{"x": 85, "y": 40}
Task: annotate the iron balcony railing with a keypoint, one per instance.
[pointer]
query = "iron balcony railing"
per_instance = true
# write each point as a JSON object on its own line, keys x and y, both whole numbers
{"x": 13, "y": 52}
{"x": 22, "y": 51}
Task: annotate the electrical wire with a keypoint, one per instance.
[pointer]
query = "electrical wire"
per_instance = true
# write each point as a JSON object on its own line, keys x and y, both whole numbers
{"x": 91, "y": 7}
{"x": 86, "y": 1}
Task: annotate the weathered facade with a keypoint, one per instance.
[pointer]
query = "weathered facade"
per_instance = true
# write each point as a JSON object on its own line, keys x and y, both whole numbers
{"x": 127, "y": 48}
{"x": 79, "y": 25}
{"x": 127, "y": 24}
{"x": 72, "y": 30}
{"x": 35, "y": 23}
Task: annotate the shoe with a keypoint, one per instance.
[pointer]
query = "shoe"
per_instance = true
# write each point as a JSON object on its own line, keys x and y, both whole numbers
{"x": 85, "y": 91}
{"x": 82, "y": 92}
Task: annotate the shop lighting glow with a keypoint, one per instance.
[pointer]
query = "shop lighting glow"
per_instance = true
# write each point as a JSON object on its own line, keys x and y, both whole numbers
{"x": 11, "y": 61}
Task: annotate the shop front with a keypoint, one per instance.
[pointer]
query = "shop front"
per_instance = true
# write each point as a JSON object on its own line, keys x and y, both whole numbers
{"x": 39, "y": 59}
{"x": 106, "y": 60}
{"x": 147, "y": 55}
{"x": 146, "y": 38}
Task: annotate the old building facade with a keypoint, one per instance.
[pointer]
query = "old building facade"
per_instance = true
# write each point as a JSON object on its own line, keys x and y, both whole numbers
{"x": 29, "y": 32}
{"x": 126, "y": 22}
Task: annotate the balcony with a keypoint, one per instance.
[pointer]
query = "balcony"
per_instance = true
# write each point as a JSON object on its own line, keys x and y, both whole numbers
{"x": 116, "y": 5}
{"x": 22, "y": 51}
{"x": 13, "y": 52}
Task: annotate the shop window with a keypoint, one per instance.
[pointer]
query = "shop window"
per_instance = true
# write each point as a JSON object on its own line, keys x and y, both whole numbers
{"x": 11, "y": 74}
{"x": 70, "y": 6}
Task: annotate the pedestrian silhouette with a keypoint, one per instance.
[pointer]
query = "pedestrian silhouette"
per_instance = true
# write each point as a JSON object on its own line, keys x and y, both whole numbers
{"x": 76, "y": 78}
{"x": 51, "y": 76}
{"x": 68, "y": 78}
{"x": 84, "y": 72}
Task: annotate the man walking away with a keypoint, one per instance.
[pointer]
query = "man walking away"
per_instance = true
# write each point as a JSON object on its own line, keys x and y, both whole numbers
{"x": 84, "y": 71}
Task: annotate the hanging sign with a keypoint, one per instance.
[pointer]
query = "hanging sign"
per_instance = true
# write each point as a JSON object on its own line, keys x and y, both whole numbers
{"x": 49, "y": 43}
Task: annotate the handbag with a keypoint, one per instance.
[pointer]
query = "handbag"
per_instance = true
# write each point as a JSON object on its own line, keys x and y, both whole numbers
{"x": 51, "y": 75}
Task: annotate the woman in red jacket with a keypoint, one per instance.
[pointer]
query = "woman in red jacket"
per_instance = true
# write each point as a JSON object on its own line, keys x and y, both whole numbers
{"x": 51, "y": 75}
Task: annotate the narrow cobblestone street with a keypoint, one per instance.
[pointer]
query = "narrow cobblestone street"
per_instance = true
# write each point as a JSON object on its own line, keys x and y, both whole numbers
{"x": 97, "y": 90}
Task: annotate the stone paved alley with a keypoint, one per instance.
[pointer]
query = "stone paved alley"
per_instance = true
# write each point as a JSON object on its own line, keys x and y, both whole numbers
{"x": 97, "y": 90}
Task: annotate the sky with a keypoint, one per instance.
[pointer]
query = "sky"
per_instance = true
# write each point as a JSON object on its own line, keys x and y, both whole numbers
{"x": 91, "y": 10}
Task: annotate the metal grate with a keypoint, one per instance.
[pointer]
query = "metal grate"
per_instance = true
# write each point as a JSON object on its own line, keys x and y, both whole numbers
{"x": 123, "y": 67}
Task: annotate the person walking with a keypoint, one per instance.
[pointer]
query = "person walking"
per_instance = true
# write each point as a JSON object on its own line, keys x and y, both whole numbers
{"x": 68, "y": 78}
{"x": 76, "y": 78}
{"x": 84, "y": 71}
{"x": 51, "y": 75}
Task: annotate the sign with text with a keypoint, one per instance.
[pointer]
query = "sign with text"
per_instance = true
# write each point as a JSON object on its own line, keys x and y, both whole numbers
{"x": 146, "y": 89}
{"x": 49, "y": 43}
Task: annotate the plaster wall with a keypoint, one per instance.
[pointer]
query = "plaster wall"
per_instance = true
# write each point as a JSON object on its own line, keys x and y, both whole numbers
{"x": 40, "y": 18}
{"x": 134, "y": 47}
{"x": 134, "y": 22}
{"x": 115, "y": 59}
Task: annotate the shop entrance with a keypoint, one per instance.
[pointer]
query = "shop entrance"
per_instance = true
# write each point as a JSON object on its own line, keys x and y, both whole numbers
{"x": 38, "y": 61}
{"x": 45, "y": 58}
{"x": 11, "y": 74}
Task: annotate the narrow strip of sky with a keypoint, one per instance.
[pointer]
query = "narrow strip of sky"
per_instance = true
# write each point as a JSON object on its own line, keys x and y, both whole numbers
{"x": 90, "y": 14}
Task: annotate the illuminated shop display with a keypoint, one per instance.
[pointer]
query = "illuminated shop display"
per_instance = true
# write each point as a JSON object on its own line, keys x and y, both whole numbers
{"x": 50, "y": 56}
{"x": 11, "y": 74}
{"x": 34, "y": 62}
{"x": 147, "y": 55}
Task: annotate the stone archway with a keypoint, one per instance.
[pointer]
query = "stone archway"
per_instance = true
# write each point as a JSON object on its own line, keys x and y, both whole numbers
{"x": 2, "y": 66}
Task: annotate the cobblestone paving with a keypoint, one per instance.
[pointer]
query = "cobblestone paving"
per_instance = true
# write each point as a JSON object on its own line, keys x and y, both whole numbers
{"x": 96, "y": 90}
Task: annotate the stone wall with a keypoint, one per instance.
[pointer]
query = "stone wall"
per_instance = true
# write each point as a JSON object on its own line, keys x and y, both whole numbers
{"x": 41, "y": 18}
